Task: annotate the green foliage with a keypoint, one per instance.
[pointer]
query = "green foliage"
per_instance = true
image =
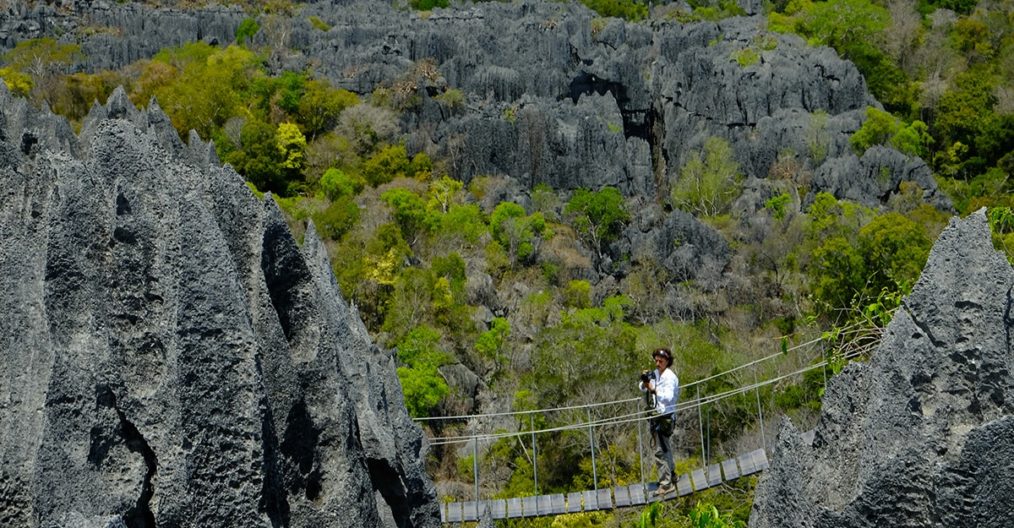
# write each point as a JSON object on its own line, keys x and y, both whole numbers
{"x": 887, "y": 255}
{"x": 37, "y": 57}
{"x": 708, "y": 183}
{"x": 320, "y": 105}
{"x": 319, "y": 24}
{"x": 882, "y": 128}
{"x": 625, "y": 9}
{"x": 410, "y": 213}
{"x": 746, "y": 56}
{"x": 596, "y": 342}
{"x": 33, "y": 66}
{"x": 598, "y": 216}
{"x": 420, "y": 354}
{"x": 291, "y": 144}
{"x": 490, "y": 343}
{"x": 198, "y": 86}
{"x": 518, "y": 233}
{"x": 854, "y": 28}
{"x": 246, "y": 30}
{"x": 452, "y": 99}
{"x": 577, "y": 294}
{"x": 337, "y": 184}
{"x": 649, "y": 516}
{"x": 778, "y": 205}
{"x": 878, "y": 129}
{"x": 427, "y": 5}
{"x": 706, "y": 515}
{"x": 392, "y": 162}
{"x": 18, "y": 83}
{"x": 1001, "y": 219}
{"x": 259, "y": 158}
{"x": 338, "y": 218}
{"x": 464, "y": 221}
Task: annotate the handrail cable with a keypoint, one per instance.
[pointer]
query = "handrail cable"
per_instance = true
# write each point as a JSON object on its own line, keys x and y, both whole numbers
{"x": 853, "y": 328}
{"x": 633, "y": 417}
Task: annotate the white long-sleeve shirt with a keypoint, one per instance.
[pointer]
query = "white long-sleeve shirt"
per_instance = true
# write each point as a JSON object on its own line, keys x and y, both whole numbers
{"x": 667, "y": 390}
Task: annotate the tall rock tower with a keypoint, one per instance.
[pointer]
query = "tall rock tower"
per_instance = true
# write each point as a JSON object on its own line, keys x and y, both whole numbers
{"x": 922, "y": 435}
{"x": 170, "y": 356}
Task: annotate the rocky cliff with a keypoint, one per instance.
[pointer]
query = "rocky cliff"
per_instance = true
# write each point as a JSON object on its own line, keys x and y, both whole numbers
{"x": 923, "y": 433}
{"x": 552, "y": 94}
{"x": 170, "y": 356}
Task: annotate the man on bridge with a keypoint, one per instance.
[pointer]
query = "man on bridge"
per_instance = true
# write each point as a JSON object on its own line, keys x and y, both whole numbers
{"x": 663, "y": 389}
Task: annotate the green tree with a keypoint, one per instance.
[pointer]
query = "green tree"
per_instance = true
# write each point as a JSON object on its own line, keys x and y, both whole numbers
{"x": 708, "y": 183}
{"x": 258, "y": 157}
{"x": 410, "y": 213}
{"x": 33, "y": 66}
{"x": 387, "y": 164}
{"x": 598, "y": 216}
{"x": 336, "y": 184}
{"x": 291, "y": 144}
{"x": 320, "y": 106}
{"x": 518, "y": 233}
{"x": 490, "y": 343}
{"x": 246, "y": 30}
{"x": 895, "y": 250}
{"x": 422, "y": 384}
{"x": 338, "y": 218}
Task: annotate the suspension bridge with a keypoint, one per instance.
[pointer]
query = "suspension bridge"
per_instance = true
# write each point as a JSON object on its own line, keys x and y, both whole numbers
{"x": 707, "y": 475}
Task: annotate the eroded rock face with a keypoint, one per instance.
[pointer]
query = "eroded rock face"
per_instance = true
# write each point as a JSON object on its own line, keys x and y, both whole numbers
{"x": 170, "y": 356}
{"x": 552, "y": 93}
{"x": 921, "y": 435}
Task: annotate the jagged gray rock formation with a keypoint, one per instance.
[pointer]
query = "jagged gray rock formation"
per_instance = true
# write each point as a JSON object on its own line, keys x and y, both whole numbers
{"x": 553, "y": 94}
{"x": 170, "y": 356}
{"x": 921, "y": 434}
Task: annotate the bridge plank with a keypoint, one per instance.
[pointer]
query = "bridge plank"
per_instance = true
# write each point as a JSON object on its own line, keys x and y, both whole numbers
{"x": 762, "y": 459}
{"x": 497, "y": 508}
{"x": 556, "y": 504}
{"x": 683, "y": 486}
{"x": 529, "y": 506}
{"x": 514, "y": 508}
{"x": 443, "y": 512}
{"x": 746, "y": 464}
{"x": 730, "y": 469}
{"x": 471, "y": 511}
{"x": 544, "y": 505}
{"x": 590, "y": 502}
{"x": 605, "y": 497}
{"x": 574, "y": 502}
{"x": 699, "y": 480}
{"x": 454, "y": 512}
{"x": 714, "y": 475}
{"x": 622, "y": 495}
{"x": 636, "y": 492}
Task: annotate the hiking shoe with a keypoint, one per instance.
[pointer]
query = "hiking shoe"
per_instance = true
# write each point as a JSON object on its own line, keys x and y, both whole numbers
{"x": 665, "y": 489}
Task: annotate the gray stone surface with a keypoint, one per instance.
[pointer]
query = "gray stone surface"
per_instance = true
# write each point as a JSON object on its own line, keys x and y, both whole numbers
{"x": 920, "y": 435}
{"x": 170, "y": 356}
{"x": 552, "y": 93}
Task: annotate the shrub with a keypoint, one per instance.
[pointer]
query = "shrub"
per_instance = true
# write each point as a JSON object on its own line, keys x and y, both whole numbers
{"x": 337, "y": 184}
{"x": 597, "y": 216}
{"x": 246, "y": 30}
{"x": 387, "y": 164}
{"x": 338, "y": 218}
{"x": 708, "y": 181}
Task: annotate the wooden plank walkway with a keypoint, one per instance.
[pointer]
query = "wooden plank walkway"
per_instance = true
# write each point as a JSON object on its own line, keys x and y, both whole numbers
{"x": 606, "y": 498}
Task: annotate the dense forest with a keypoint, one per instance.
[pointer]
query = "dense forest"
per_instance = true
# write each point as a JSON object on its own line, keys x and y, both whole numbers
{"x": 497, "y": 299}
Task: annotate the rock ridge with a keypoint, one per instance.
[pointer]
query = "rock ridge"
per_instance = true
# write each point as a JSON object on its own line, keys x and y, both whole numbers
{"x": 170, "y": 356}
{"x": 921, "y": 434}
{"x": 552, "y": 93}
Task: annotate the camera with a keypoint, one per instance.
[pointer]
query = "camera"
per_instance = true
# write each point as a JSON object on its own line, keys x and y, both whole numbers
{"x": 647, "y": 375}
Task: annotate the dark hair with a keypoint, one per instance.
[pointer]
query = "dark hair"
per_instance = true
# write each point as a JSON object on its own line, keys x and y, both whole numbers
{"x": 664, "y": 352}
